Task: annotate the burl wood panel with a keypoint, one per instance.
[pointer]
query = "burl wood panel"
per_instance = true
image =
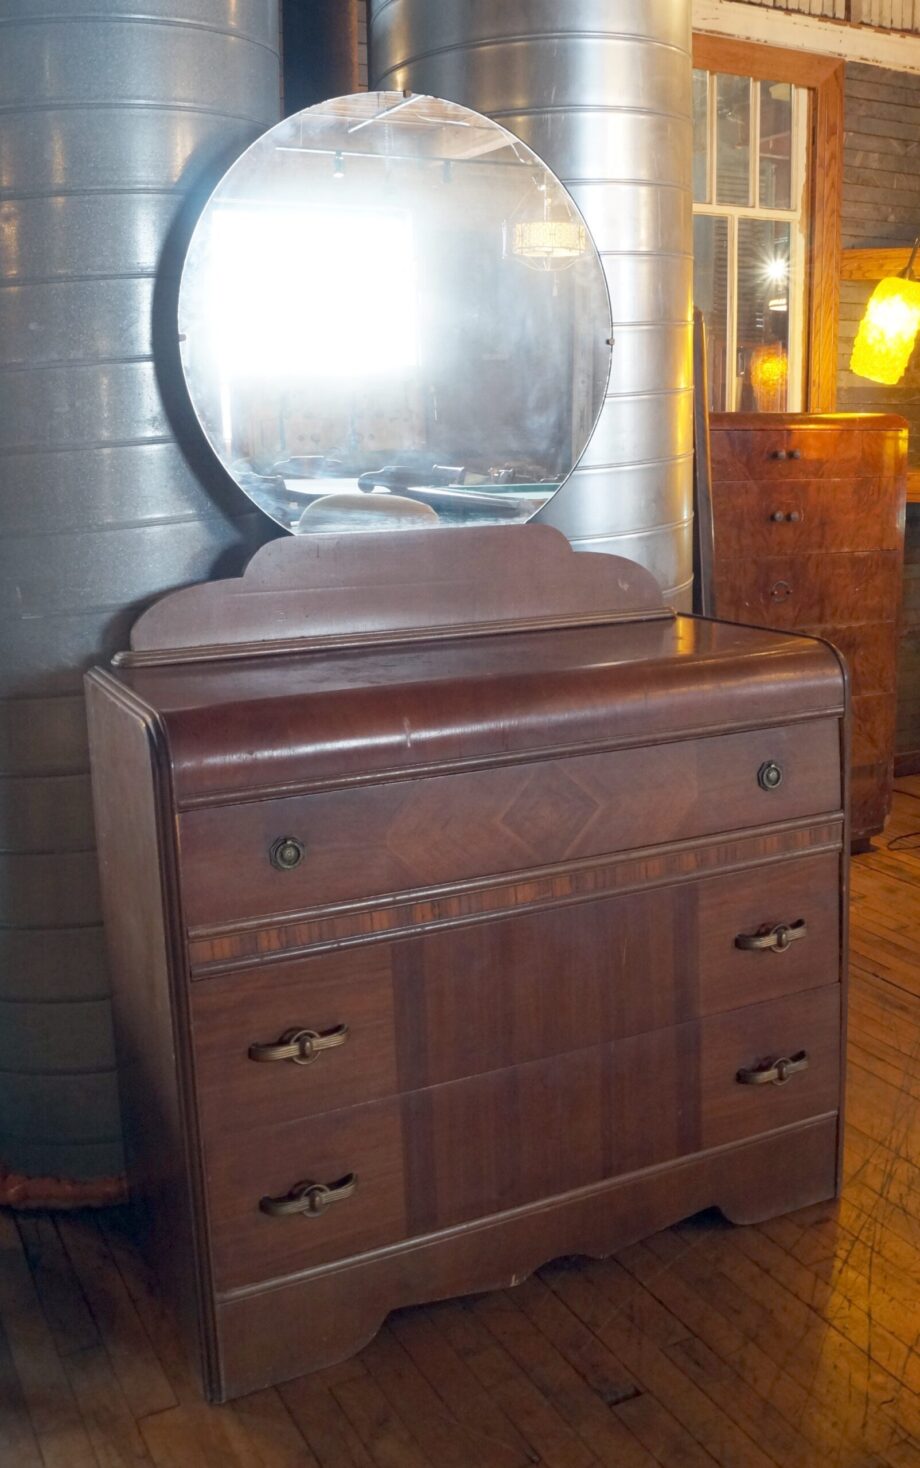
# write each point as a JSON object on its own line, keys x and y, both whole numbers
{"x": 870, "y": 793}
{"x": 790, "y": 591}
{"x": 874, "y": 716}
{"x": 818, "y": 515}
{"x": 831, "y": 563}
{"x": 392, "y": 837}
{"x": 436, "y": 1158}
{"x": 779, "y": 450}
{"x": 458, "y": 1003}
{"x": 870, "y": 651}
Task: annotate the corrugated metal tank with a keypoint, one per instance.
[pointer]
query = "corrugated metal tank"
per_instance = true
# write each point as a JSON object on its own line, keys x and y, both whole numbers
{"x": 116, "y": 120}
{"x": 601, "y": 89}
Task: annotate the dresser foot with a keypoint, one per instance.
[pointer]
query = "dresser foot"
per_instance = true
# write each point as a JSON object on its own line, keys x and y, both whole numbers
{"x": 765, "y": 1198}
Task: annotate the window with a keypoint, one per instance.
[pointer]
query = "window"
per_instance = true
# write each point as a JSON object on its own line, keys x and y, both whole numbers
{"x": 767, "y": 163}
{"x": 751, "y": 238}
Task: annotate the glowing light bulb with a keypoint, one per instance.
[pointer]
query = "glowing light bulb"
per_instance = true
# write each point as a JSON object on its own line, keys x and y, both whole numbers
{"x": 769, "y": 377}
{"x": 777, "y": 270}
{"x": 888, "y": 331}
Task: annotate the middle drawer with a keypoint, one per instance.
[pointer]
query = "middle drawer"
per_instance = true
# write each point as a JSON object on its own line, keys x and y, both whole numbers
{"x": 285, "y": 855}
{"x": 460, "y": 1002}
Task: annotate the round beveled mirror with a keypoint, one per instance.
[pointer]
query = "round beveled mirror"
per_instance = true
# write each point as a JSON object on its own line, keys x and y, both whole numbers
{"x": 393, "y": 315}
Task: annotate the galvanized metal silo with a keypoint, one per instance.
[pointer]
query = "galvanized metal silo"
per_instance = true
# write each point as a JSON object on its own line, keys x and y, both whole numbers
{"x": 602, "y": 90}
{"x": 116, "y": 119}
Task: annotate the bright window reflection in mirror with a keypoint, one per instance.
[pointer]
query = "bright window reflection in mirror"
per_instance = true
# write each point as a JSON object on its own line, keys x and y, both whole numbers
{"x": 334, "y": 292}
{"x": 392, "y": 313}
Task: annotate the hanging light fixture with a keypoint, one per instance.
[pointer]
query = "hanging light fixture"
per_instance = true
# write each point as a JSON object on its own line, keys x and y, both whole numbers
{"x": 551, "y": 242}
{"x": 888, "y": 330}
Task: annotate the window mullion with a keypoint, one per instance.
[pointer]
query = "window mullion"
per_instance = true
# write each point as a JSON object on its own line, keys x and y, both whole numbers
{"x": 754, "y": 164}
{"x": 713, "y": 125}
{"x": 731, "y": 334}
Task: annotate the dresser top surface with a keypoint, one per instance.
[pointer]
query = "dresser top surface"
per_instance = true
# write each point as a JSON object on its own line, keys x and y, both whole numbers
{"x": 614, "y": 653}
{"x": 254, "y": 723}
{"x": 835, "y": 422}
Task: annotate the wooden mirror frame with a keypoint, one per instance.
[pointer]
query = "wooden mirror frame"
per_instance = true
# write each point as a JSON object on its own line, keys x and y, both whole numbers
{"x": 823, "y": 77}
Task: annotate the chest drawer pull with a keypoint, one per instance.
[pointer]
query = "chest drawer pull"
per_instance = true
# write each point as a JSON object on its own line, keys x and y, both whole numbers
{"x": 776, "y": 1074}
{"x": 300, "y": 1046}
{"x": 772, "y": 940}
{"x": 286, "y": 853}
{"x": 770, "y": 775}
{"x": 310, "y": 1199}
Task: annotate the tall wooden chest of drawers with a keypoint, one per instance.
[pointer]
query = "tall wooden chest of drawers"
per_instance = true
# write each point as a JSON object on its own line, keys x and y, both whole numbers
{"x": 808, "y": 520}
{"x": 466, "y": 908}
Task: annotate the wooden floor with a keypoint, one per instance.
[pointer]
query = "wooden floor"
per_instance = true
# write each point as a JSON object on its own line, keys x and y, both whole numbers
{"x": 795, "y": 1343}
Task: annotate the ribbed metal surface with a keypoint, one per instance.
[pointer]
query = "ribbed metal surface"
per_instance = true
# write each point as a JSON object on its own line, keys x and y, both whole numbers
{"x": 115, "y": 120}
{"x": 601, "y": 90}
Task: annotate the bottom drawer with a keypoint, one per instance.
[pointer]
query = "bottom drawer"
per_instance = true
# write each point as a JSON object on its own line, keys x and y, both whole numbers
{"x": 441, "y": 1156}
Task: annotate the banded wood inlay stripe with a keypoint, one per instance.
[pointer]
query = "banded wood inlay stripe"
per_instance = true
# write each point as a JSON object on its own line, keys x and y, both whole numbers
{"x": 216, "y": 950}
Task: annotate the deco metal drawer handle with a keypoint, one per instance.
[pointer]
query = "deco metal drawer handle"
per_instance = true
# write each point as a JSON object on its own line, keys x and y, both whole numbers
{"x": 300, "y": 1046}
{"x": 310, "y": 1199}
{"x": 776, "y": 1074}
{"x": 772, "y": 940}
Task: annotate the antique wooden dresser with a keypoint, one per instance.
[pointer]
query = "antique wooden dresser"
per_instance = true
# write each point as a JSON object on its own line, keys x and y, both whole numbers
{"x": 466, "y": 908}
{"x": 808, "y": 520}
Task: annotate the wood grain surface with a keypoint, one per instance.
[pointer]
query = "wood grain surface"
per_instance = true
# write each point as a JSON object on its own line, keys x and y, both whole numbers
{"x": 790, "y": 1342}
{"x": 434, "y": 1008}
{"x": 526, "y": 1071}
{"x": 393, "y": 837}
{"x": 809, "y": 517}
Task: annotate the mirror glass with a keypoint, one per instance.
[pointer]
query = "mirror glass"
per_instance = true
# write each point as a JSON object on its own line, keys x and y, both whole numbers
{"x": 393, "y": 315}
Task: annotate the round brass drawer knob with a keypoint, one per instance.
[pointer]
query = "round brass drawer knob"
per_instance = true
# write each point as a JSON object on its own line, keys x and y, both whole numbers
{"x": 286, "y": 853}
{"x": 770, "y": 776}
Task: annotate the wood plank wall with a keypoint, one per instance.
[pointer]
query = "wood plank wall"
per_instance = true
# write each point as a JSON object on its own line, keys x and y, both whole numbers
{"x": 836, "y": 9}
{"x": 881, "y": 206}
{"x": 891, "y": 15}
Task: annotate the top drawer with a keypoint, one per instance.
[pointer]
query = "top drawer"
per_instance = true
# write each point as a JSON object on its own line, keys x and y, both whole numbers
{"x": 352, "y": 844}
{"x": 804, "y": 453}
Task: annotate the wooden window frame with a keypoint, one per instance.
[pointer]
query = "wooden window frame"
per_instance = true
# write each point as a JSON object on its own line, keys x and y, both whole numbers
{"x": 823, "y": 78}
